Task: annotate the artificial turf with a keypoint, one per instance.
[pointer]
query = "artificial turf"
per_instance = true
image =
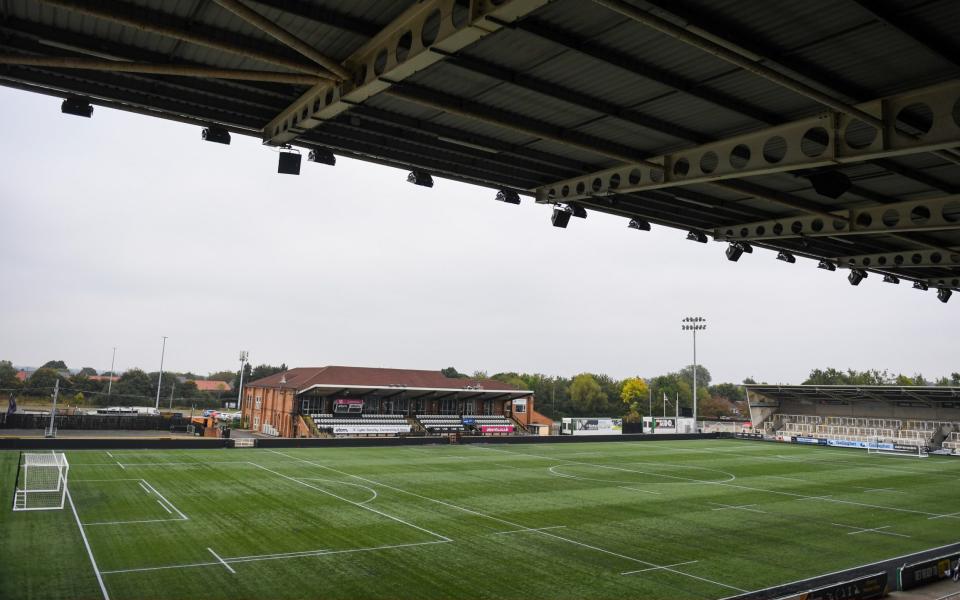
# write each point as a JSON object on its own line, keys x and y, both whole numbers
{"x": 690, "y": 519}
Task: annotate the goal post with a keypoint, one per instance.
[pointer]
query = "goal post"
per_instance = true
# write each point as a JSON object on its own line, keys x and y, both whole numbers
{"x": 877, "y": 447}
{"x": 41, "y": 481}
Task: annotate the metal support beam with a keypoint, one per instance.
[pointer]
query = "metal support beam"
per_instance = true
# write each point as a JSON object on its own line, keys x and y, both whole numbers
{"x": 941, "y": 48}
{"x": 831, "y": 138}
{"x": 912, "y": 215}
{"x": 282, "y": 35}
{"x": 944, "y": 282}
{"x": 94, "y": 64}
{"x": 172, "y": 27}
{"x": 403, "y": 48}
{"x": 907, "y": 258}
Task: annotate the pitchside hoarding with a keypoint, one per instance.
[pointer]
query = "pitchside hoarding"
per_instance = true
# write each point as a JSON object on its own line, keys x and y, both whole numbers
{"x": 928, "y": 571}
{"x": 496, "y": 428}
{"x": 369, "y": 429}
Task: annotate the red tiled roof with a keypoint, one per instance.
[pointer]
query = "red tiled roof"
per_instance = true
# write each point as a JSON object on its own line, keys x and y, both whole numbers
{"x": 205, "y": 385}
{"x": 303, "y": 377}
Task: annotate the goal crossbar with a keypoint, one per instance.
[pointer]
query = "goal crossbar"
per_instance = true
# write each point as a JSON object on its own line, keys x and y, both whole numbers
{"x": 41, "y": 482}
{"x": 878, "y": 447}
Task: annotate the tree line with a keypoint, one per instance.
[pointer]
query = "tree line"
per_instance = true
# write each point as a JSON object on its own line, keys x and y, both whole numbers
{"x": 133, "y": 387}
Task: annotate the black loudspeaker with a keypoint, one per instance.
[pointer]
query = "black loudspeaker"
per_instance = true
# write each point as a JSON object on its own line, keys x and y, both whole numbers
{"x": 686, "y": 411}
{"x": 560, "y": 218}
{"x": 289, "y": 163}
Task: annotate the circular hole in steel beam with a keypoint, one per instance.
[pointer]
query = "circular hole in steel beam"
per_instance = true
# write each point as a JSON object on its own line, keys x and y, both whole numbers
{"x": 859, "y": 135}
{"x": 919, "y": 215}
{"x": 951, "y": 211}
{"x": 431, "y": 29}
{"x": 403, "y": 46}
{"x": 915, "y": 119}
{"x": 890, "y": 217}
{"x": 709, "y": 162}
{"x": 814, "y": 142}
{"x": 774, "y": 149}
{"x": 864, "y": 219}
{"x": 380, "y": 62}
{"x": 740, "y": 156}
{"x": 681, "y": 167}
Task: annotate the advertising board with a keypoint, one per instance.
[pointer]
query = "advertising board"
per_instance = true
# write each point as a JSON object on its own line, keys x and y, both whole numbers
{"x": 369, "y": 429}
{"x": 496, "y": 428}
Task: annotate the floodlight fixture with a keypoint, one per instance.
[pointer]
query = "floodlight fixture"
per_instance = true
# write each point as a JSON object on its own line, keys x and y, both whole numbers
{"x": 289, "y": 161}
{"x": 561, "y": 216}
{"x": 734, "y": 252}
{"x": 827, "y": 265}
{"x": 891, "y": 279}
{"x": 919, "y": 285}
{"x": 697, "y": 236}
{"x": 856, "y": 276}
{"x": 216, "y": 134}
{"x": 421, "y": 178}
{"x": 508, "y": 196}
{"x": 786, "y": 257}
{"x": 831, "y": 184}
{"x": 943, "y": 295}
{"x": 579, "y": 211}
{"x": 639, "y": 224}
{"x": 77, "y": 107}
{"x": 322, "y": 156}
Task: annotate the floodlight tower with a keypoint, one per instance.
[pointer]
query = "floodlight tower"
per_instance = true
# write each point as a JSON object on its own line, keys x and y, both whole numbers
{"x": 244, "y": 355}
{"x": 694, "y": 324}
{"x": 163, "y": 351}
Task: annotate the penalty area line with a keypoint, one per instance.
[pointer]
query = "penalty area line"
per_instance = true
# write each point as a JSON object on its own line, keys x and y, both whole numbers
{"x": 217, "y": 556}
{"x": 86, "y": 543}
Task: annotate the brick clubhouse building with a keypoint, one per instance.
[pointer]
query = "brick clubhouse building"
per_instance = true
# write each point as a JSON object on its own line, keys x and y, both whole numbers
{"x": 309, "y": 401}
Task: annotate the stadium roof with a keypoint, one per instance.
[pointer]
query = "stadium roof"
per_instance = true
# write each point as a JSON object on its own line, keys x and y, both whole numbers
{"x": 359, "y": 381}
{"x": 826, "y": 128}
{"x": 852, "y": 393}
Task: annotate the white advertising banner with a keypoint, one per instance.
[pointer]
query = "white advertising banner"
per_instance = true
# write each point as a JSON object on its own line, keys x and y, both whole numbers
{"x": 369, "y": 429}
{"x": 597, "y": 426}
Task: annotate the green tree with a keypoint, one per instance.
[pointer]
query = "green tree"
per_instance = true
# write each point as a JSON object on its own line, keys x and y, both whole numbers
{"x": 634, "y": 394}
{"x": 134, "y": 383}
{"x": 88, "y": 372}
{"x": 452, "y": 373}
{"x": 226, "y": 376}
{"x": 261, "y": 371}
{"x": 730, "y": 391}
{"x": 586, "y": 395}
{"x": 8, "y": 376}
{"x": 42, "y": 382}
{"x": 58, "y": 365}
{"x": 82, "y": 383}
{"x": 703, "y": 375}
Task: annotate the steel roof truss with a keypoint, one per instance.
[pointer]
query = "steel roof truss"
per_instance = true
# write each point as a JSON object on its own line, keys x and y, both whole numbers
{"x": 831, "y": 138}
{"x": 401, "y": 49}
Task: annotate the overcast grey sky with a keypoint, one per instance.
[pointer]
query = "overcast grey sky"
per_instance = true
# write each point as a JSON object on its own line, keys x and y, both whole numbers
{"x": 120, "y": 229}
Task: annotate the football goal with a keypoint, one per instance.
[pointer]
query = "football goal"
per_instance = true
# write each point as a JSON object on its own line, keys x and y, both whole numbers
{"x": 41, "y": 481}
{"x": 878, "y": 447}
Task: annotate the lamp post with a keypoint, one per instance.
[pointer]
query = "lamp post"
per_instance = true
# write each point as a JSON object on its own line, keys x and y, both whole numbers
{"x": 694, "y": 324}
{"x": 163, "y": 351}
{"x": 110, "y": 380}
{"x": 244, "y": 355}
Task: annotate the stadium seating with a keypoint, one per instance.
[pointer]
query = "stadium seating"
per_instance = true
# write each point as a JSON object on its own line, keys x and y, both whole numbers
{"x": 440, "y": 423}
{"x": 862, "y": 429}
{"x": 952, "y": 442}
{"x": 327, "y": 422}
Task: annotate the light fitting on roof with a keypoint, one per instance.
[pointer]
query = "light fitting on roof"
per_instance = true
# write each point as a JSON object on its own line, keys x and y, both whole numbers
{"x": 697, "y": 236}
{"x": 560, "y": 217}
{"x": 831, "y": 184}
{"x": 827, "y": 265}
{"x": 919, "y": 285}
{"x": 943, "y": 295}
{"x": 891, "y": 279}
{"x": 289, "y": 161}
{"x": 76, "y": 107}
{"x": 639, "y": 224}
{"x": 322, "y": 156}
{"x": 786, "y": 257}
{"x": 579, "y": 211}
{"x": 216, "y": 134}
{"x": 508, "y": 196}
{"x": 856, "y": 276}
{"x": 421, "y": 178}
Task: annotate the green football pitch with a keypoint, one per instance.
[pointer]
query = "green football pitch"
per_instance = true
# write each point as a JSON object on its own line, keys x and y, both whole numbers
{"x": 691, "y": 519}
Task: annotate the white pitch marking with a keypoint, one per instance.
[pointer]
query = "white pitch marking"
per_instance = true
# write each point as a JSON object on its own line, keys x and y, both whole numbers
{"x": 870, "y": 530}
{"x": 110, "y": 455}
{"x": 941, "y": 516}
{"x": 739, "y": 486}
{"x": 164, "y": 506}
{"x": 86, "y": 543}
{"x": 261, "y": 557}
{"x": 369, "y": 489}
{"x": 746, "y": 507}
{"x": 182, "y": 516}
{"x": 787, "y": 478}
{"x": 891, "y": 490}
{"x": 525, "y": 529}
{"x": 143, "y": 486}
{"x": 383, "y": 514}
{"x": 121, "y": 465}
{"x": 623, "y": 487}
{"x": 217, "y": 556}
{"x": 689, "y": 562}
{"x": 510, "y": 523}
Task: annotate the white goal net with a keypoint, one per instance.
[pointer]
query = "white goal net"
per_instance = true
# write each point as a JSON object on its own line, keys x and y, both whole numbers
{"x": 878, "y": 447}
{"x": 41, "y": 481}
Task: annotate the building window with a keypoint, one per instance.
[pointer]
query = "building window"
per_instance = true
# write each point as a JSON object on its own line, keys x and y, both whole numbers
{"x": 258, "y": 402}
{"x": 256, "y": 423}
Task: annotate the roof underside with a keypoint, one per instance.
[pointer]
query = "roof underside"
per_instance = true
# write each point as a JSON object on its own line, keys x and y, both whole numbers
{"x": 558, "y": 90}
{"x": 859, "y": 393}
